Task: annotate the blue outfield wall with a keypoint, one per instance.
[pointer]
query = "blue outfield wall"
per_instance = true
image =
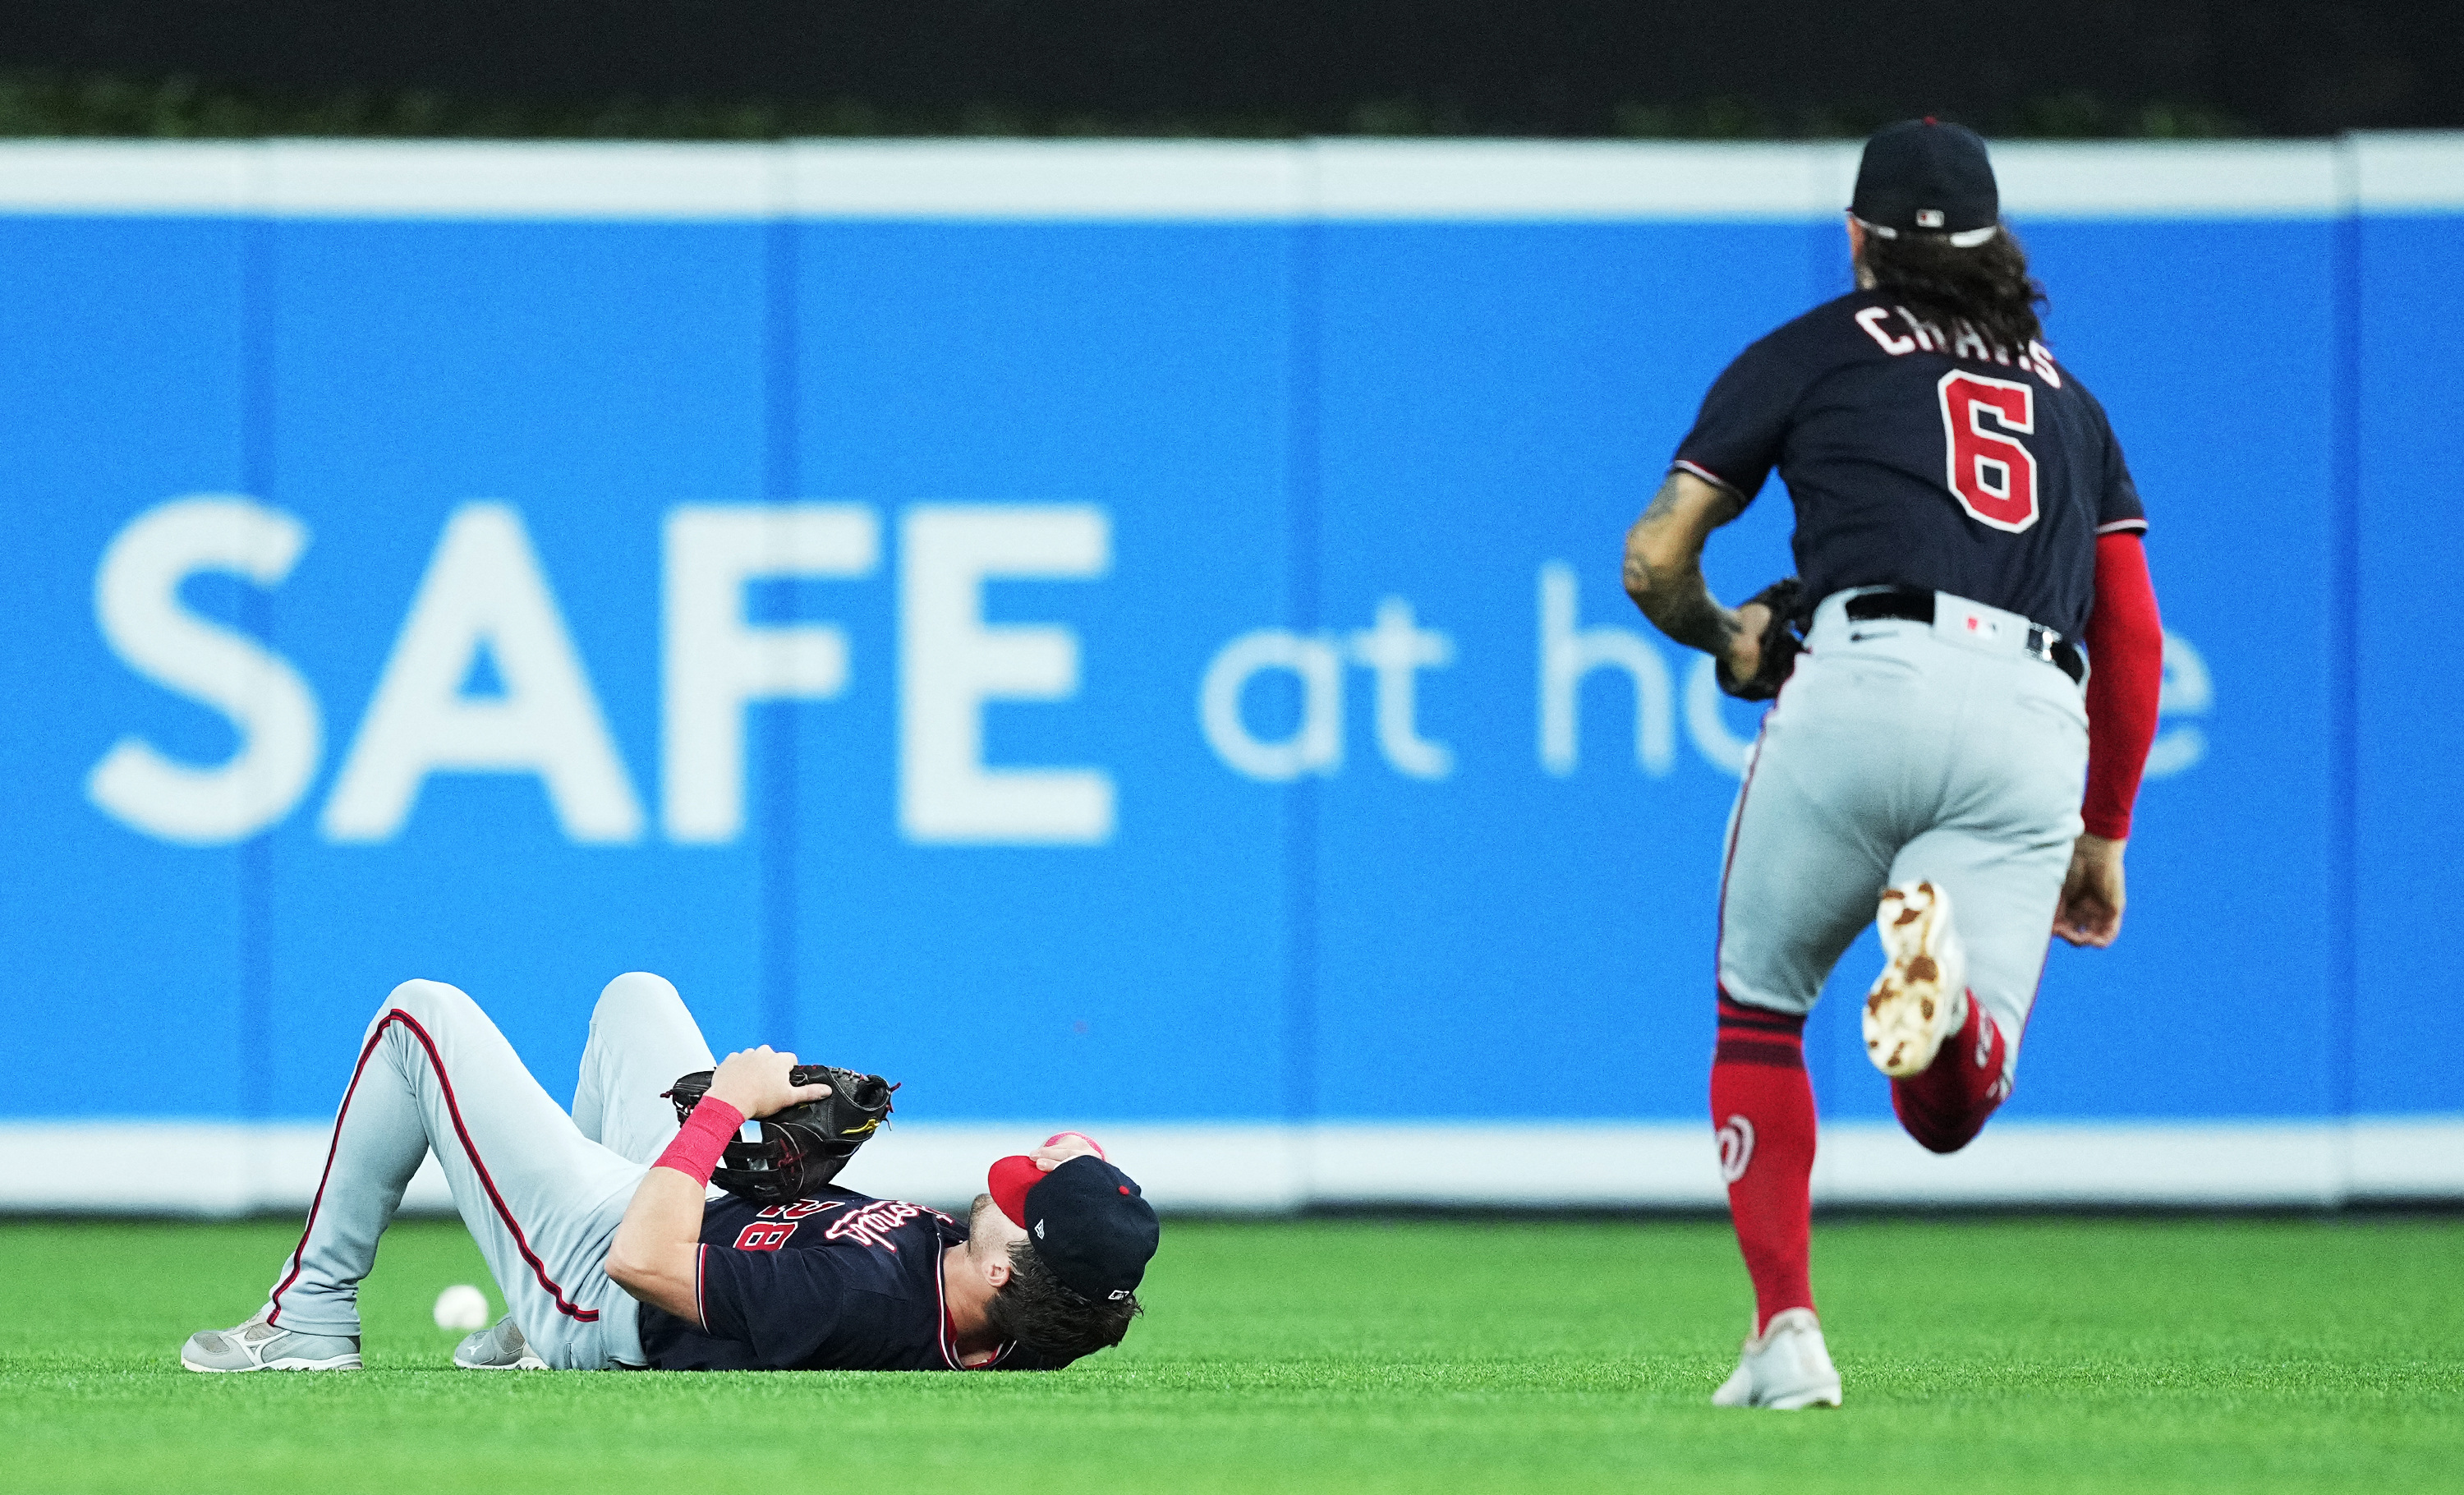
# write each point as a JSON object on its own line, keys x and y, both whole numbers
{"x": 1151, "y": 659}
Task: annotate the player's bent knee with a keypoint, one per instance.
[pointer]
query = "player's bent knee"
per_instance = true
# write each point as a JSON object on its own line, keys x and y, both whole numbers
{"x": 635, "y": 991}
{"x": 1944, "y": 1131}
{"x": 1943, "y": 1141}
{"x": 424, "y": 999}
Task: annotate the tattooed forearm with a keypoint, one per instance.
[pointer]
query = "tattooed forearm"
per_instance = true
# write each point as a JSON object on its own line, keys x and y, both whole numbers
{"x": 1684, "y": 609}
{"x": 1664, "y": 563}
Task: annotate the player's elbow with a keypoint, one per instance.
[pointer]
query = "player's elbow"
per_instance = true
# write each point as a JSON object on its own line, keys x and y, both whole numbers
{"x": 624, "y": 1270}
{"x": 1658, "y": 558}
{"x": 663, "y": 1279}
{"x": 634, "y": 1264}
{"x": 1637, "y": 579}
{"x": 669, "y": 1285}
{"x": 1639, "y": 575}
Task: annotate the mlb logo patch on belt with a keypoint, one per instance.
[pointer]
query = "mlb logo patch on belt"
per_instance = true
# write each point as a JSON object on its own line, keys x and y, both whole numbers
{"x": 1981, "y": 626}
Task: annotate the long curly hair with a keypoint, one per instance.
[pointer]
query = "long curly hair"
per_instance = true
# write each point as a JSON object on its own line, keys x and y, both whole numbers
{"x": 1038, "y": 1310}
{"x": 1989, "y": 286}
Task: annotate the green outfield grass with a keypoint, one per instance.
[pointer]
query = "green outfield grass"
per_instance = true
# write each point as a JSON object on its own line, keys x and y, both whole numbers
{"x": 2039, "y": 1354}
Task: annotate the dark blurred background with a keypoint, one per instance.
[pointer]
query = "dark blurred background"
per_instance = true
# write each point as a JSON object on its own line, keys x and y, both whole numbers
{"x": 1268, "y": 68}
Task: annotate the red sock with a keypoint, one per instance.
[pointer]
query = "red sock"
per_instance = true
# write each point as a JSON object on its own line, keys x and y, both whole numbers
{"x": 1944, "y": 1106}
{"x": 1763, "y": 1107}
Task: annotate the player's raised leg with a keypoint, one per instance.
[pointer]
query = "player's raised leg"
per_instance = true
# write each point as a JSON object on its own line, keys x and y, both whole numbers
{"x": 1970, "y": 915}
{"x": 641, "y": 1036}
{"x": 540, "y": 1200}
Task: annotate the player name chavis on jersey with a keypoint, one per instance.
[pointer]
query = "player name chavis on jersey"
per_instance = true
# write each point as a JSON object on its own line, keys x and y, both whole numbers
{"x": 1915, "y": 334}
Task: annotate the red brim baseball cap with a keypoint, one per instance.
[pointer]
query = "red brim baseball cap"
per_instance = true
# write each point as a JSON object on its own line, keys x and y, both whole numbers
{"x": 1089, "y": 1220}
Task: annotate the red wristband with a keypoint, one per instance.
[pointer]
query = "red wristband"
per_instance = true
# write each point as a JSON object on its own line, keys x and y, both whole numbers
{"x": 704, "y": 1135}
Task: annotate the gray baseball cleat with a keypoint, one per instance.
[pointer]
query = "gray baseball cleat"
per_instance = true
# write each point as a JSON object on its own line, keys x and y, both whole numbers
{"x": 1785, "y": 1368}
{"x": 499, "y": 1348}
{"x": 259, "y": 1346}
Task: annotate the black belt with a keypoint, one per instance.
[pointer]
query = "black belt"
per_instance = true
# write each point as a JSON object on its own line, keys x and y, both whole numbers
{"x": 1915, "y": 605}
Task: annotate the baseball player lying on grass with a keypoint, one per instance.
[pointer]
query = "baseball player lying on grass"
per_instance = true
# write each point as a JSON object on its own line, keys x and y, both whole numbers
{"x": 614, "y": 1253}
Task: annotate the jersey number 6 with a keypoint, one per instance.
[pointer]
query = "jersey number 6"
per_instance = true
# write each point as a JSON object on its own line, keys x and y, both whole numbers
{"x": 1991, "y": 473}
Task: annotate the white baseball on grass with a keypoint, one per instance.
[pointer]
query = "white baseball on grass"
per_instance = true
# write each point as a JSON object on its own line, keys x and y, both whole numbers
{"x": 463, "y": 1308}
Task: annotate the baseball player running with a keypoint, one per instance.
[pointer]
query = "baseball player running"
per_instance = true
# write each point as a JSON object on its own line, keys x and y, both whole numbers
{"x": 1964, "y": 522}
{"x": 599, "y": 1231}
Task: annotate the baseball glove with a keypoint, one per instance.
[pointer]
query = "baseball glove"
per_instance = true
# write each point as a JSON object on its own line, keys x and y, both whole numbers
{"x": 1781, "y": 643}
{"x": 804, "y": 1146}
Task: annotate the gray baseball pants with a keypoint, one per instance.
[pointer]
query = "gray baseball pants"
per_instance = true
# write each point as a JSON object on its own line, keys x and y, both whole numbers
{"x": 1901, "y": 751}
{"x": 540, "y": 1191}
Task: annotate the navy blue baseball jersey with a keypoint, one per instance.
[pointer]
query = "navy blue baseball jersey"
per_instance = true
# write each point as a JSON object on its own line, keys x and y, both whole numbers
{"x": 1919, "y": 455}
{"x": 839, "y": 1282}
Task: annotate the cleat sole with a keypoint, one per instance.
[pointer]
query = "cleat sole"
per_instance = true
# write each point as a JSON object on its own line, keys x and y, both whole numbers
{"x": 1914, "y": 1005}
{"x": 349, "y": 1362}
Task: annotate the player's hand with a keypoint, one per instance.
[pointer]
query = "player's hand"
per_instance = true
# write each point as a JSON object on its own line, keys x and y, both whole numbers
{"x": 1746, "y": 644}
{"x": 1058, "y": 1150}
{"x": 2090, "y": 912}
{"x": 755, "y": 1081}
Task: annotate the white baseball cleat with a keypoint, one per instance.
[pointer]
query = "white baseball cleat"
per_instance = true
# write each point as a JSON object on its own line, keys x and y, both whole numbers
{"x": 1784, "y": 1368}
{"x": 1921, "y": 998}
{"x": 259, "y": 1346}
{"x": 500, "y": 1349}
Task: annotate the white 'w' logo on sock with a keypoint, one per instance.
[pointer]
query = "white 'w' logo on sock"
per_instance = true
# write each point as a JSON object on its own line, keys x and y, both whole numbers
{"x": 1736, "y": 1148}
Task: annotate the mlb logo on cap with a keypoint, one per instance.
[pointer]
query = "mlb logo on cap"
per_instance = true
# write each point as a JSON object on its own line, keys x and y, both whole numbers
{"x": 1923, "y": 176}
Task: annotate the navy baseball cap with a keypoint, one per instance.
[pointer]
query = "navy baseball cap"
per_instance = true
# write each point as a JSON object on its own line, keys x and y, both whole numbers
{"x": 1923, "y": 176}
{"x": 1089, "y": 1221}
